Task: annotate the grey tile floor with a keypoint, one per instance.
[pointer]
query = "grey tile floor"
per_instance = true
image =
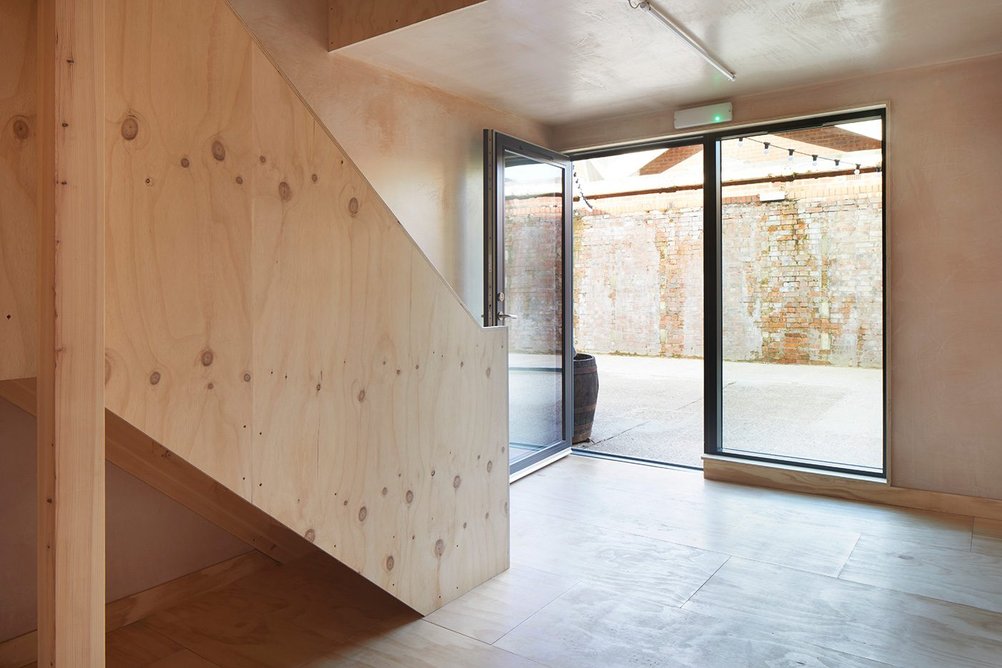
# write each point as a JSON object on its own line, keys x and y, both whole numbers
{"x": 618, "y": 564}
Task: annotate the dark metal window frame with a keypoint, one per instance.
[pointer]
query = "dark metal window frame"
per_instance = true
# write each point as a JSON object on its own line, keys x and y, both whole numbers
{"x": 496, "y": 144}
{"x": 713, "y": 267}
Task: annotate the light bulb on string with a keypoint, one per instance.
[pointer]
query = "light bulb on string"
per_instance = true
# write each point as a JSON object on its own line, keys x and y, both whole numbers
{"x": 837, "y": 161}
{"x": 790, "y": 151}
{"x": 765, "y": 148}
{"x": 856, "y": 171}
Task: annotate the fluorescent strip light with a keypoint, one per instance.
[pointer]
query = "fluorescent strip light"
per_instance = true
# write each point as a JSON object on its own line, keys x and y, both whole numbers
{"x": 687, "y": 38}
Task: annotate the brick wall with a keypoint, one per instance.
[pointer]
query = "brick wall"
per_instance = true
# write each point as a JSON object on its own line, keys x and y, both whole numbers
{"x": 533, "y": 291}
{"x": 802, "y": 275}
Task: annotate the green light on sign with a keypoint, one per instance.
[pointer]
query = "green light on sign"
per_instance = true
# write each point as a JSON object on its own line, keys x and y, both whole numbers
{"x": 717, "y": 118}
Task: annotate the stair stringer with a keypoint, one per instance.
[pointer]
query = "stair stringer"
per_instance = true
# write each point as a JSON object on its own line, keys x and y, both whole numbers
{"x": 271, "y": 322}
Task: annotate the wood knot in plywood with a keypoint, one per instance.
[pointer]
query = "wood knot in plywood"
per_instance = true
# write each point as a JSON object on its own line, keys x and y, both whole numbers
{"x": 389, "y": 563}
{"x": 361, "y": 396}
{"x": 185, "y": 163}
{"x": 409, "y": 497}
{"x": 130, "y": 128}
{"x": 21, "y": 128}
{"x": 456, "y": 482}
{"x": 314, "y": 178}
{"x": 218, "y": 150}
{"x": 439, "y": 547}
{"x": 311, "y": 535}
{"x": 247, "y": 377}
{"x": 490, "y": 466}
{"x": 154, "y": 378}
{"x": 363, "y": 512}
{"x": 239, "y": 180}
{"x": 353, "y": 206}
{"x": 207, "y": 358}
{"x": 284, "y": 191}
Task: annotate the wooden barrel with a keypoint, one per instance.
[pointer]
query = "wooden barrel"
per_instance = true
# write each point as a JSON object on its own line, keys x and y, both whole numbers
{"x": 585, "y": 395}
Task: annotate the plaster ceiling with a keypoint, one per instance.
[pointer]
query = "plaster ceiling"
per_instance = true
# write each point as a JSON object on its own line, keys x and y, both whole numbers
{"x": 562, "y": 61}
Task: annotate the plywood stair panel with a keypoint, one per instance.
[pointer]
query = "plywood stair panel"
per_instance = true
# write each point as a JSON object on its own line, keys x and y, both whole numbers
{"x": 270, "y": 322}
{"x": 18, "y": 164}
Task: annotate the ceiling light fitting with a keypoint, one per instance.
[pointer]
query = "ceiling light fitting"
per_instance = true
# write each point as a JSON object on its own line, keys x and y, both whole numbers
{"x": 667, "y": 22}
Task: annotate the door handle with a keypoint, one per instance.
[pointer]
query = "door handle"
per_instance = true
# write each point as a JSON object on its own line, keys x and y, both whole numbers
{"x": 505, "y": 316}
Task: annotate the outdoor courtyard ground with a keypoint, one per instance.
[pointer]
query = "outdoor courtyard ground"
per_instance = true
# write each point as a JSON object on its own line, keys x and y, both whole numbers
{"x": 652, "y": 408}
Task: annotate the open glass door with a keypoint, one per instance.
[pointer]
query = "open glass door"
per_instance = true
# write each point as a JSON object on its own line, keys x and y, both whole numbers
{"x": 528, "y": 289}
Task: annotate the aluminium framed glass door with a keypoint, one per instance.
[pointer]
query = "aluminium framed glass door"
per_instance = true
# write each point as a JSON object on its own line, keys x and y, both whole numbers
{"x": 527, "y": 288}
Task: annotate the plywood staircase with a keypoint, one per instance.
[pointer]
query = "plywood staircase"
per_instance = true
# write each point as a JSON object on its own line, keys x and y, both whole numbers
{"x": 269, "y": 322}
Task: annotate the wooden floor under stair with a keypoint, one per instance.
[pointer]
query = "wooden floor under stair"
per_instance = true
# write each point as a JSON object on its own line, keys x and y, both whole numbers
{"x": 624, "y": 565}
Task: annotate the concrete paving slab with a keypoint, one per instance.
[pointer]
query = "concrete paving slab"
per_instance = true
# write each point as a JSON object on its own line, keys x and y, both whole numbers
{"x": 652, "y": 408}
